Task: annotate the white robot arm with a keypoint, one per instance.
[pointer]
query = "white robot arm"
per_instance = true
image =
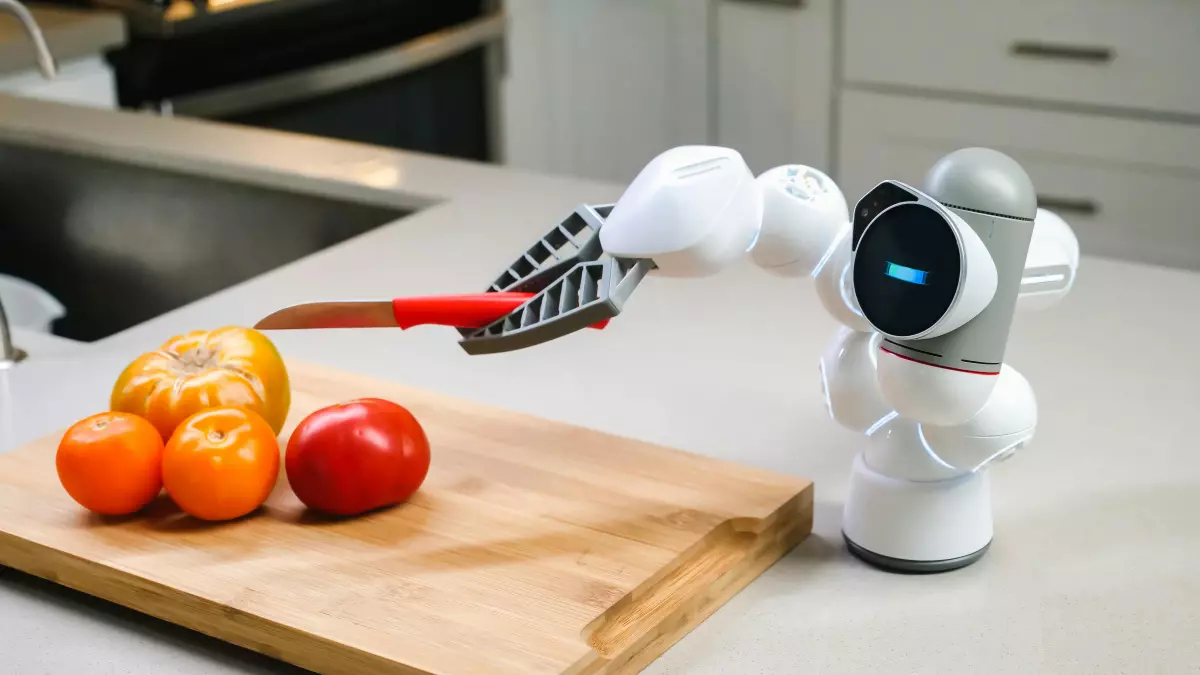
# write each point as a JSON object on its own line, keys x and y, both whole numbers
{"x": 693, "y": 210}
{"x": 924, "y": 281}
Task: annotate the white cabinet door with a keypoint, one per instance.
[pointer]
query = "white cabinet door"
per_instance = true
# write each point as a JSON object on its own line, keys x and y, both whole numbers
{"x": 597, "y": 88}
{"x": 1115, "y": 53}
{"x": 774, "y": 81}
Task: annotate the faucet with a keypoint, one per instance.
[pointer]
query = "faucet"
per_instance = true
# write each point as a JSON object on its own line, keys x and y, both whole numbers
{"x": 45, "y": 60}
{"x": 10, "y": 354}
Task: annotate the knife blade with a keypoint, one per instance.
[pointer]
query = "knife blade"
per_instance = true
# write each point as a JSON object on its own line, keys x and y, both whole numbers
{"x": 473, "y": 310}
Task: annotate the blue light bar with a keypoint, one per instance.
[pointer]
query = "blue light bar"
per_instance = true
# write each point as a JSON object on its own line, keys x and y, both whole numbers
{"x": 908, "y": 274}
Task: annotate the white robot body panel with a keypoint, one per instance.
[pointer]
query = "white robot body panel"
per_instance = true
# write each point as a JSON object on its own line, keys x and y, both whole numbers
{"x": 854, "y": 399}
{"x": 803, "y": 213}
{"x": 919, "y": 497}
{"x": 852, "y": 395}
{"x": 1005, "y": 423}
{"x": 693, "y": 210}
{"x": 835, "y": 285}
{"x": 1011, "y": 409}
{"x": 916, "y": 526}
{"x": 898, "y": 449}
{"x": 931, "y": 394}
{"x": 1051, "y": 263}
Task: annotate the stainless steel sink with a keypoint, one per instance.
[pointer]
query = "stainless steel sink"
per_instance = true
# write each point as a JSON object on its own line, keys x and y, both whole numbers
{"x": 118, "y": 244}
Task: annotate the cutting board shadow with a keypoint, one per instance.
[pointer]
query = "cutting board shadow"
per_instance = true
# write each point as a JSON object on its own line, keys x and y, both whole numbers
{"x": 533, "y": 547}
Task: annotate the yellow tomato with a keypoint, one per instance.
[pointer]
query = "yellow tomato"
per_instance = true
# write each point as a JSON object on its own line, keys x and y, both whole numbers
{"x": 231, "y": 366}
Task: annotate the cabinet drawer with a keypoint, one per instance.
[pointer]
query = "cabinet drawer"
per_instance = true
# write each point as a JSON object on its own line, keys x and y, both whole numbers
{"x": 1130, "y": 189}
{"x": 1119, "y": 53}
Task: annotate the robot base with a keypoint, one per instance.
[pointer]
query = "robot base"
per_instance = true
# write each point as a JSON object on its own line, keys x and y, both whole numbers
{"x": 917, "y": 526}
{"x": 901, "y": 566}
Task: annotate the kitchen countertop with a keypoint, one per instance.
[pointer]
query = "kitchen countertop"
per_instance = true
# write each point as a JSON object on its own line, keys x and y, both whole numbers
{"x": 70, "y": 34}
{"x": 1097, "y": 536}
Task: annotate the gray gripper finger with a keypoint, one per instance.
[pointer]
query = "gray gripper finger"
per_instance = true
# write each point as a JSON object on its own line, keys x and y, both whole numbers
{"x": 588, "y": 293}
{"x": 574, "y": 240}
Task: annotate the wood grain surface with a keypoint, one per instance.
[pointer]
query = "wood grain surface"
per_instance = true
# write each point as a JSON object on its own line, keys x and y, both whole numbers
{"x": 533, "y": 547}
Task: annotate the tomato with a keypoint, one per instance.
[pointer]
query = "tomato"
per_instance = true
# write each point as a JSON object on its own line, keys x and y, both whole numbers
{"x": 221, "y": 463}
{"x": 357, "y": 456}
{"x": 111, "y": 463}
{"x": 228, "y": 366}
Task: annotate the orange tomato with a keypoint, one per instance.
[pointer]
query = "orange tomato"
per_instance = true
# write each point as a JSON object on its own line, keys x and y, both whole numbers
{"x": 111, "y": 463}
{"x": 221, "y": 463}
{"x": 231, "y": 366}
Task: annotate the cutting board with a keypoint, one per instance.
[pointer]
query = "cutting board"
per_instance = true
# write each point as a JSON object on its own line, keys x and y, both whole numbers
{"x": 533, "y": 547}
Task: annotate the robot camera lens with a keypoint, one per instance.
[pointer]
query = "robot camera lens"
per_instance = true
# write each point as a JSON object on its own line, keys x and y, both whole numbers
{"x": 881, "y": 197}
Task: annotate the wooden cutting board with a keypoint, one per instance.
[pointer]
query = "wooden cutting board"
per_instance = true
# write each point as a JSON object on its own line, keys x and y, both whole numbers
{"x": 533, "y": 547}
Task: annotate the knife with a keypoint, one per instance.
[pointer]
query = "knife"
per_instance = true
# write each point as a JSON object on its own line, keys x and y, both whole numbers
{"x": 473, "y": 310}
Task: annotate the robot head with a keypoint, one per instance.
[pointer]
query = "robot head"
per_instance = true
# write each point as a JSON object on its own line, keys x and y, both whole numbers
{"x": 919, "y": 271}
{"x": 938, "y": 273}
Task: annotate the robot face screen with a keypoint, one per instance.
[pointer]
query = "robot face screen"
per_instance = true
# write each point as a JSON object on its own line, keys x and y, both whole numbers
{"x": 906, "y": 270}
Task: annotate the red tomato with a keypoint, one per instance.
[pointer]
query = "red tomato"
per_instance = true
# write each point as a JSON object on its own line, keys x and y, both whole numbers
{"x": 357, "y": 456}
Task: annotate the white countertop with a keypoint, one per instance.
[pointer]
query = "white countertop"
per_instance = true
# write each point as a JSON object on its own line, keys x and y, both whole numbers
{"x": 1098, "y": 523}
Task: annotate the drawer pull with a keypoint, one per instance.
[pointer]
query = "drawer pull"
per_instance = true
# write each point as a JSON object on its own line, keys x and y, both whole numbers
{"x": 778, "y": 3}
{"x": 1068, "y": 205}
{"x": 1044, "y": 50}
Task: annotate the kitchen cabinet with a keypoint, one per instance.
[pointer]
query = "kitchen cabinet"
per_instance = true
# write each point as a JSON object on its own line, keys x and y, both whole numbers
{"x": 1116, "y": 53}
{"x": 774, "y": 79}
{"x": 597, "y": 88}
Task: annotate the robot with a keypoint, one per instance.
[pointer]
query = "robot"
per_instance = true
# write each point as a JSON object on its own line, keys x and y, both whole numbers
{"x": 925, "y": 283}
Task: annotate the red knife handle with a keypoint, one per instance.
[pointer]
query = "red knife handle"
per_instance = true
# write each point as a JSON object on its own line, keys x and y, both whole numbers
{"x": 461, "y": 311}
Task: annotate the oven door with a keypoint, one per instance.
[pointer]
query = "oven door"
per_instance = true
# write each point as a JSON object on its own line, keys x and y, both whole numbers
{"x": 436, "y": 93}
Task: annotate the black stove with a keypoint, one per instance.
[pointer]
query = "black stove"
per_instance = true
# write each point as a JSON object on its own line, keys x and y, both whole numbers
{"x": 414, "y": 74}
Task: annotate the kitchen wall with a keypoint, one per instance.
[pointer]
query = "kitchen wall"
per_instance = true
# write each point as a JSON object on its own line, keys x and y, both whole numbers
{"x": 1096, "y": 98}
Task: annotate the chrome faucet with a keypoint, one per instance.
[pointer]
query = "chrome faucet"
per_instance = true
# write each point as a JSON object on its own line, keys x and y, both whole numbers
{"x": 45, "y": 60}
{"x": 10, "y": 354}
